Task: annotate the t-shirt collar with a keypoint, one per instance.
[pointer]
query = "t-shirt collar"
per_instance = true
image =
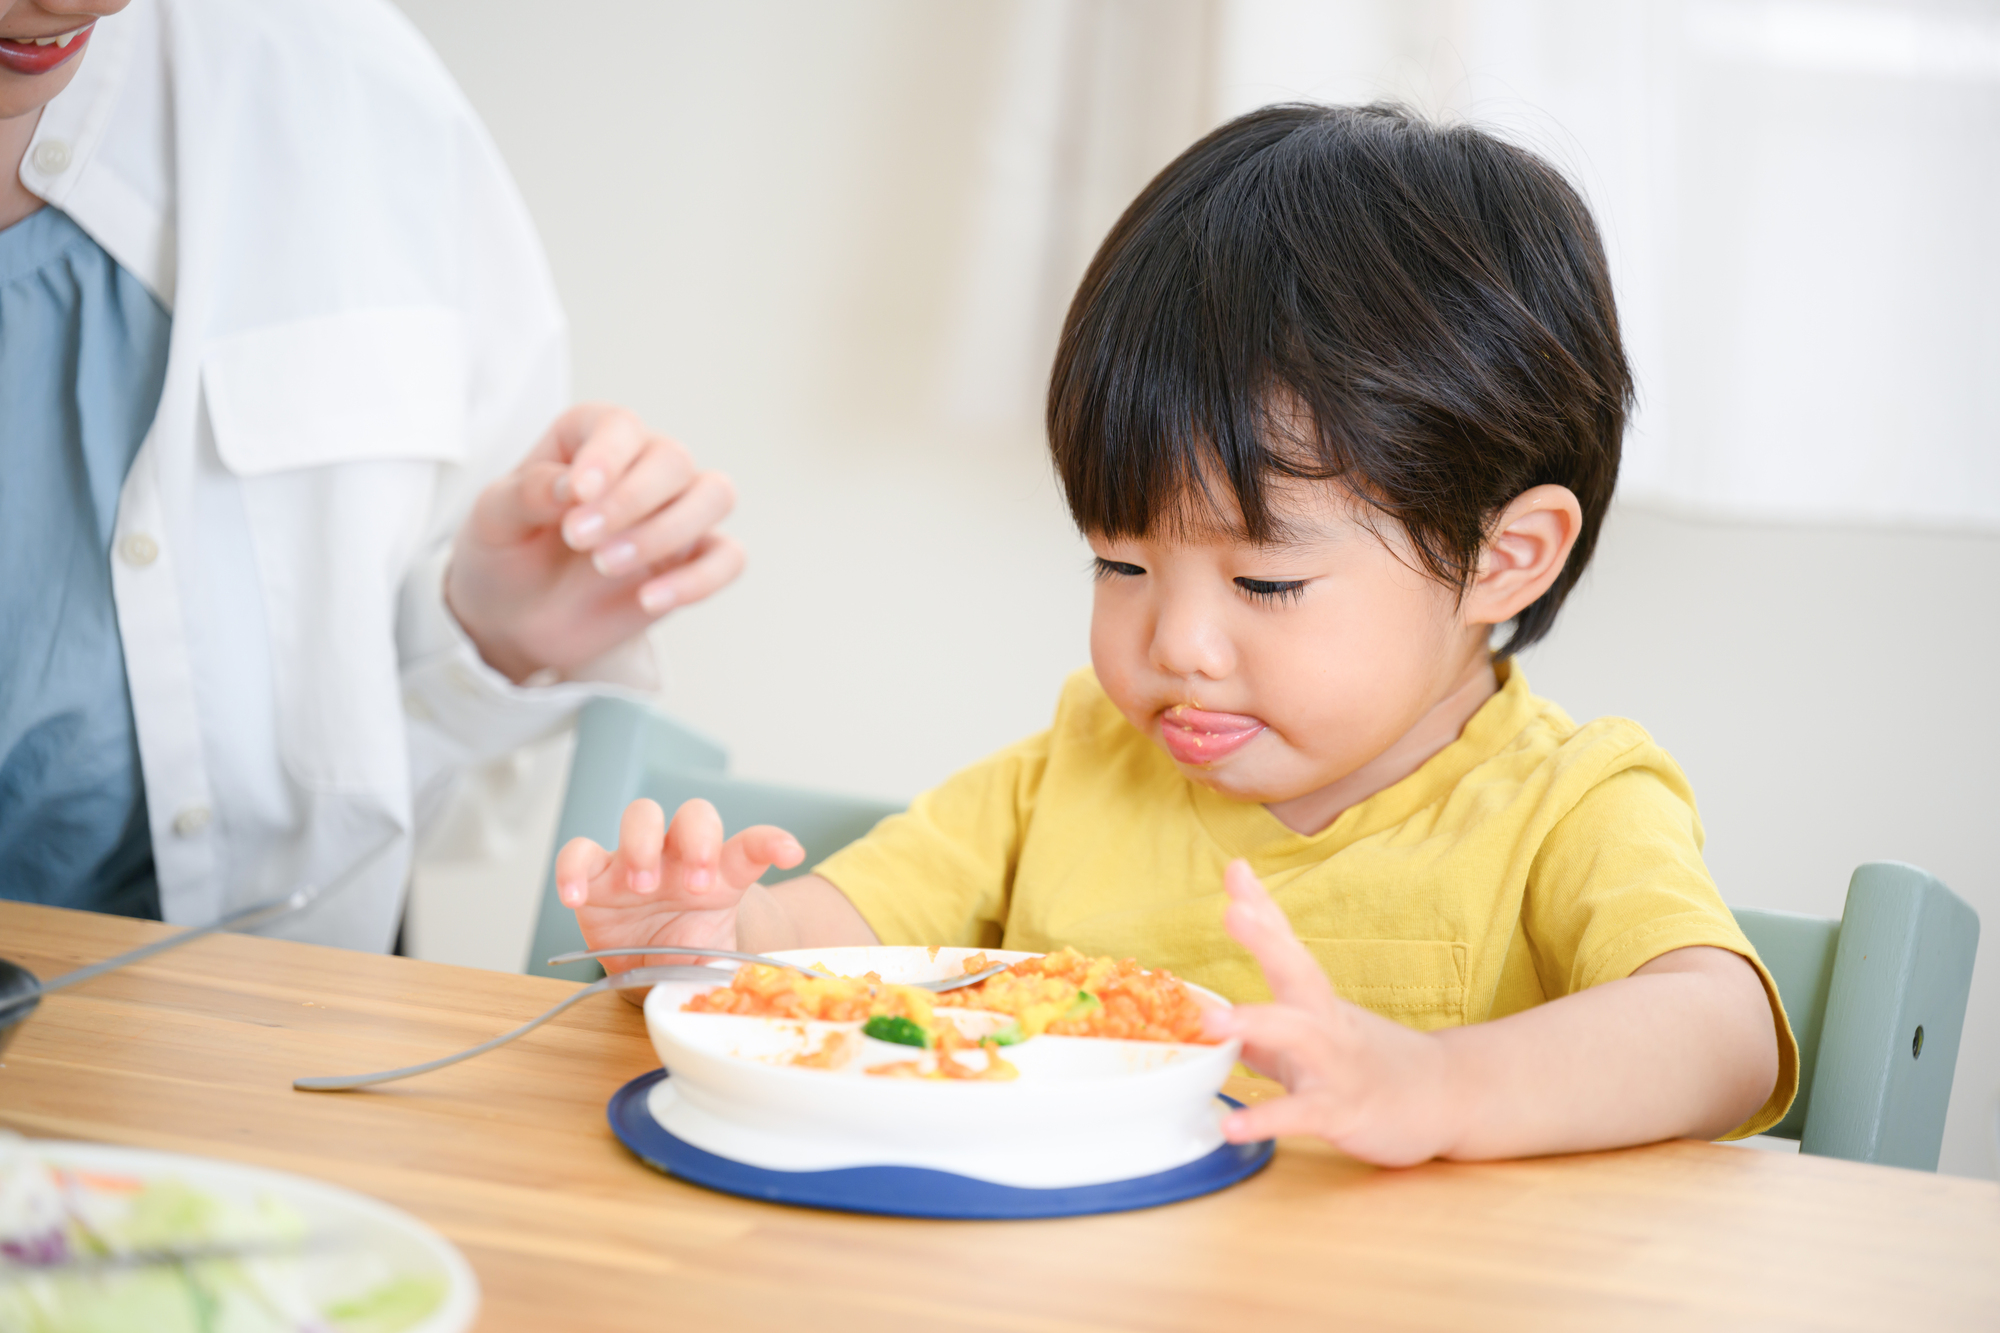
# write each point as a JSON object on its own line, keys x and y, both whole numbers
{"x": 1245, "y": 828}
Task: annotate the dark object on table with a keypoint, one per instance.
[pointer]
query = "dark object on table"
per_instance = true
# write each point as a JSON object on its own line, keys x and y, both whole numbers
{"x": 20, "y": 992}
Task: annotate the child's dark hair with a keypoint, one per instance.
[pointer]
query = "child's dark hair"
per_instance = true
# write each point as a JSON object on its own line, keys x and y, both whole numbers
{"x": 1420, "y": 311}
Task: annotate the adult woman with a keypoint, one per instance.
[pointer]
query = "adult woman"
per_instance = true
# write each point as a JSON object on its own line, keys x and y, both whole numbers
{"x": 284, "y": 327}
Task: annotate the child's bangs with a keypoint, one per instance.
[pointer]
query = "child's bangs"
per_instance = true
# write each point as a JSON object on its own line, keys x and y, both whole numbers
{"x": 1164, "y": 413}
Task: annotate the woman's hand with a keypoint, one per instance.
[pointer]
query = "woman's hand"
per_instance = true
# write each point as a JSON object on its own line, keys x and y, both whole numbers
{"x": 603, "y": 528}
{"x": 1372, "y": 1088}
{"x": 667, "y": 884}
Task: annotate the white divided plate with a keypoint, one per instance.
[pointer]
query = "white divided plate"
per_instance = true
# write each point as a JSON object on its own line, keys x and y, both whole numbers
{"x": 1084, "y": 1111}
{"x": 396, "y": 1242}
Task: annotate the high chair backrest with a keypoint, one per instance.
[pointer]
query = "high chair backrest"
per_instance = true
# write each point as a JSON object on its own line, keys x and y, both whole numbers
{"x": 1877, "y": 1002}
{"x": 625, "y": 751}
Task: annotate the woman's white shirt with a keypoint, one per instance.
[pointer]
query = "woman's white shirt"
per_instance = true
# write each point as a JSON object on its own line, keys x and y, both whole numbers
{"x": 365, "y": 333}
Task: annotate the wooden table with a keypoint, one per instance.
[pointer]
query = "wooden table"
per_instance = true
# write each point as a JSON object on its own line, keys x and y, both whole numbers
{"x": 510, "y": 1157}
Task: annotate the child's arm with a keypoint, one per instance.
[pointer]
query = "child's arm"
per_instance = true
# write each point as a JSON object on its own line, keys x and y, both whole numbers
{"x": 1684, "y": 1047}
{"x": 683, "y": 884}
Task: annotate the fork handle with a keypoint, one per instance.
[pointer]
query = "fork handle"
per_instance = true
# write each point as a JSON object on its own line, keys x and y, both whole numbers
{"x": 692, "y": 950}
{"x": 638, "y": 976}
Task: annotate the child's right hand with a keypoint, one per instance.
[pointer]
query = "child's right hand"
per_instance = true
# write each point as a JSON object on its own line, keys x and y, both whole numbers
{"x": 667, "y": 884}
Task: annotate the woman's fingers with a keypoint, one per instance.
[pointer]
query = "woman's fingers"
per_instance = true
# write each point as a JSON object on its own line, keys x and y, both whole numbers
{"x": 659, "y": 471}
{"x": 598, "y": 443}
{"x": 1256, "y": 922}
{"x": 519, "y": 504}
{"x": 715, "y": 561}
{"x": 671, "y": 528}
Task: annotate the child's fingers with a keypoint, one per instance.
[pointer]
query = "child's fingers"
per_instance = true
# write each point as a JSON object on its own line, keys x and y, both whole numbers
{"x": 1281, "y": 1117}
{"x": 1285, "y": 1042}
{"x": 1259, "y": 925}
{"x": 579, "y": 862}
{"x": 750, "y": 853}
{"x": 641, "y": 831}
{"x": 694, "y": 845}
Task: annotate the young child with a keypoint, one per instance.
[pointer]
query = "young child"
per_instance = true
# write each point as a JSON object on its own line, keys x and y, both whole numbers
{"x": 1341, "y": 393}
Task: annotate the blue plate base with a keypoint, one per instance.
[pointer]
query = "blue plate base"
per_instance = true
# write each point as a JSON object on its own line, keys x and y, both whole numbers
{"x": 912, "y": 1191}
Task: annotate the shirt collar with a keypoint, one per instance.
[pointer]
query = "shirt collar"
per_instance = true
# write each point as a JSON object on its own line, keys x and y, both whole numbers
{"x": 1246, "y": 828}
{"x": 65, "y": 163}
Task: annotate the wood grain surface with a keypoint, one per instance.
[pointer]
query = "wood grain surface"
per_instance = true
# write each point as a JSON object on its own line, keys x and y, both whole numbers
{"x": 509, "y": 1156}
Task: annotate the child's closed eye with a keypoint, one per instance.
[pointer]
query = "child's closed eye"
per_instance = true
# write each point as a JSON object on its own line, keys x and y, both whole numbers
{"x": 1274, "y": 590}
{"x": 1102, "y": 569}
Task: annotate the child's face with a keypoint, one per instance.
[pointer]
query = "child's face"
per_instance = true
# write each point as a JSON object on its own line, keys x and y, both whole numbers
{"x": 1269, "y": 672}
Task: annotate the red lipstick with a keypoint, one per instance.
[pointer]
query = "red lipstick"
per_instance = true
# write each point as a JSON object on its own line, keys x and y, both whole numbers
{"x": 24, "y": 56}
{"x": 1196, "y": 736}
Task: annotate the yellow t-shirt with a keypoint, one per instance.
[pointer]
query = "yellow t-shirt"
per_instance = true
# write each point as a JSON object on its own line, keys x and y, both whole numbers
{"x": 1529, "y": 859}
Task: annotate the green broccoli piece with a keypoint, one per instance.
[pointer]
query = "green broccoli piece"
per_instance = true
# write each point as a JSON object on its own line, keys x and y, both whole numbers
{"x": 896, "y": 1028}
{"x": 1084, "y": 1003}
{"x": 1011, "y": 1035}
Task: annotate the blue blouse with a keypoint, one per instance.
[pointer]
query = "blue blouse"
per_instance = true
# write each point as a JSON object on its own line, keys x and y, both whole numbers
{"x": 83, "y": 353}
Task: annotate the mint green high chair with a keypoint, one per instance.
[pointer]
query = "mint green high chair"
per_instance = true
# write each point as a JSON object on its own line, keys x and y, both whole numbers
{"x": 1877, "y": 998}
{"x": 1877, "y": 1001}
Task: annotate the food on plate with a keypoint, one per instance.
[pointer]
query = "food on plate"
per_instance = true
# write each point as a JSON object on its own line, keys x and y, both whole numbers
{"x": 759, "y": 990}
{"x": 78, "y": 1255}
{"x": 1064, "y": 994}
{"x": 1068, "y": 995}
{"x": 832, "y": 1052}
{"x": 949, "y": 1066}
{"x": 896, "y": 1028}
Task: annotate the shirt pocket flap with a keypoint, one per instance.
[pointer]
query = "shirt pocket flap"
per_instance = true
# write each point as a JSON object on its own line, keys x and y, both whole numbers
{"x": 1419, "y": 983}
{"x": 357, "y": 386}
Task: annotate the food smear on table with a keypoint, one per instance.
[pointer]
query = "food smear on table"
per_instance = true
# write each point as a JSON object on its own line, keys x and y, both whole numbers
{"x": 1063, "y": 994}
{"x": 79, "y": 1251}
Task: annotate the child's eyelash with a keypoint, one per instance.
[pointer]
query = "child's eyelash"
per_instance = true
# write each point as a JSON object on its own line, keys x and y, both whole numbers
{"x": 1288, "y": 590}
{"x": 1101, "y": 569}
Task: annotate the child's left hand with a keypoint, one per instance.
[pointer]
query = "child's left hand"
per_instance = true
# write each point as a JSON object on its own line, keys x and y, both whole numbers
{"x": 1372, "y": 1088}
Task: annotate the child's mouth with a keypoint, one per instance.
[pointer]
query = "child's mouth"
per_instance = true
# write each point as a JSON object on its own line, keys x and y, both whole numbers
{"x": 39, "y": 55}
{"x": 1197, "y": 736}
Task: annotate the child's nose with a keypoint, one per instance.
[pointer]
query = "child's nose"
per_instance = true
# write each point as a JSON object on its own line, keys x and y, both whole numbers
{"x": 1189, "y": 642}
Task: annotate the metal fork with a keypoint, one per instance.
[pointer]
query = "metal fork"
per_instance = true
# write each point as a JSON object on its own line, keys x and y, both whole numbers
{"x": 630, "y": 979}
{"x": 947, "y": 983}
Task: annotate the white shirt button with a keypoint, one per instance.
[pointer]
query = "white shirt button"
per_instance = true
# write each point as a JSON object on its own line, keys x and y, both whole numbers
{"x": 191, "y": 821}
{"x": 51, "y": 157}
{"x": 139, "y": 549}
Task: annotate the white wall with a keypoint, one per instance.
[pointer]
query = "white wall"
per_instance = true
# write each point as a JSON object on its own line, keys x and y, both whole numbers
{"x": 1830, "y": 693}
{"x": 762, "y": 217}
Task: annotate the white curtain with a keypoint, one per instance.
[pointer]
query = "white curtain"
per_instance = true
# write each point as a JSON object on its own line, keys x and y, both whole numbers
{"x": 1801, "y": 200}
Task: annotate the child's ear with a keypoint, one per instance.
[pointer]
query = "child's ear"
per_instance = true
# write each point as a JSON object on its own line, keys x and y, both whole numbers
{"x": 1523, "y": 555}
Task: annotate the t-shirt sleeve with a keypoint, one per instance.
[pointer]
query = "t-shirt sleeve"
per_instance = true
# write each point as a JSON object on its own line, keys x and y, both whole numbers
{"x": 1619, "y": 881}
{"x": 942, "y": 871}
